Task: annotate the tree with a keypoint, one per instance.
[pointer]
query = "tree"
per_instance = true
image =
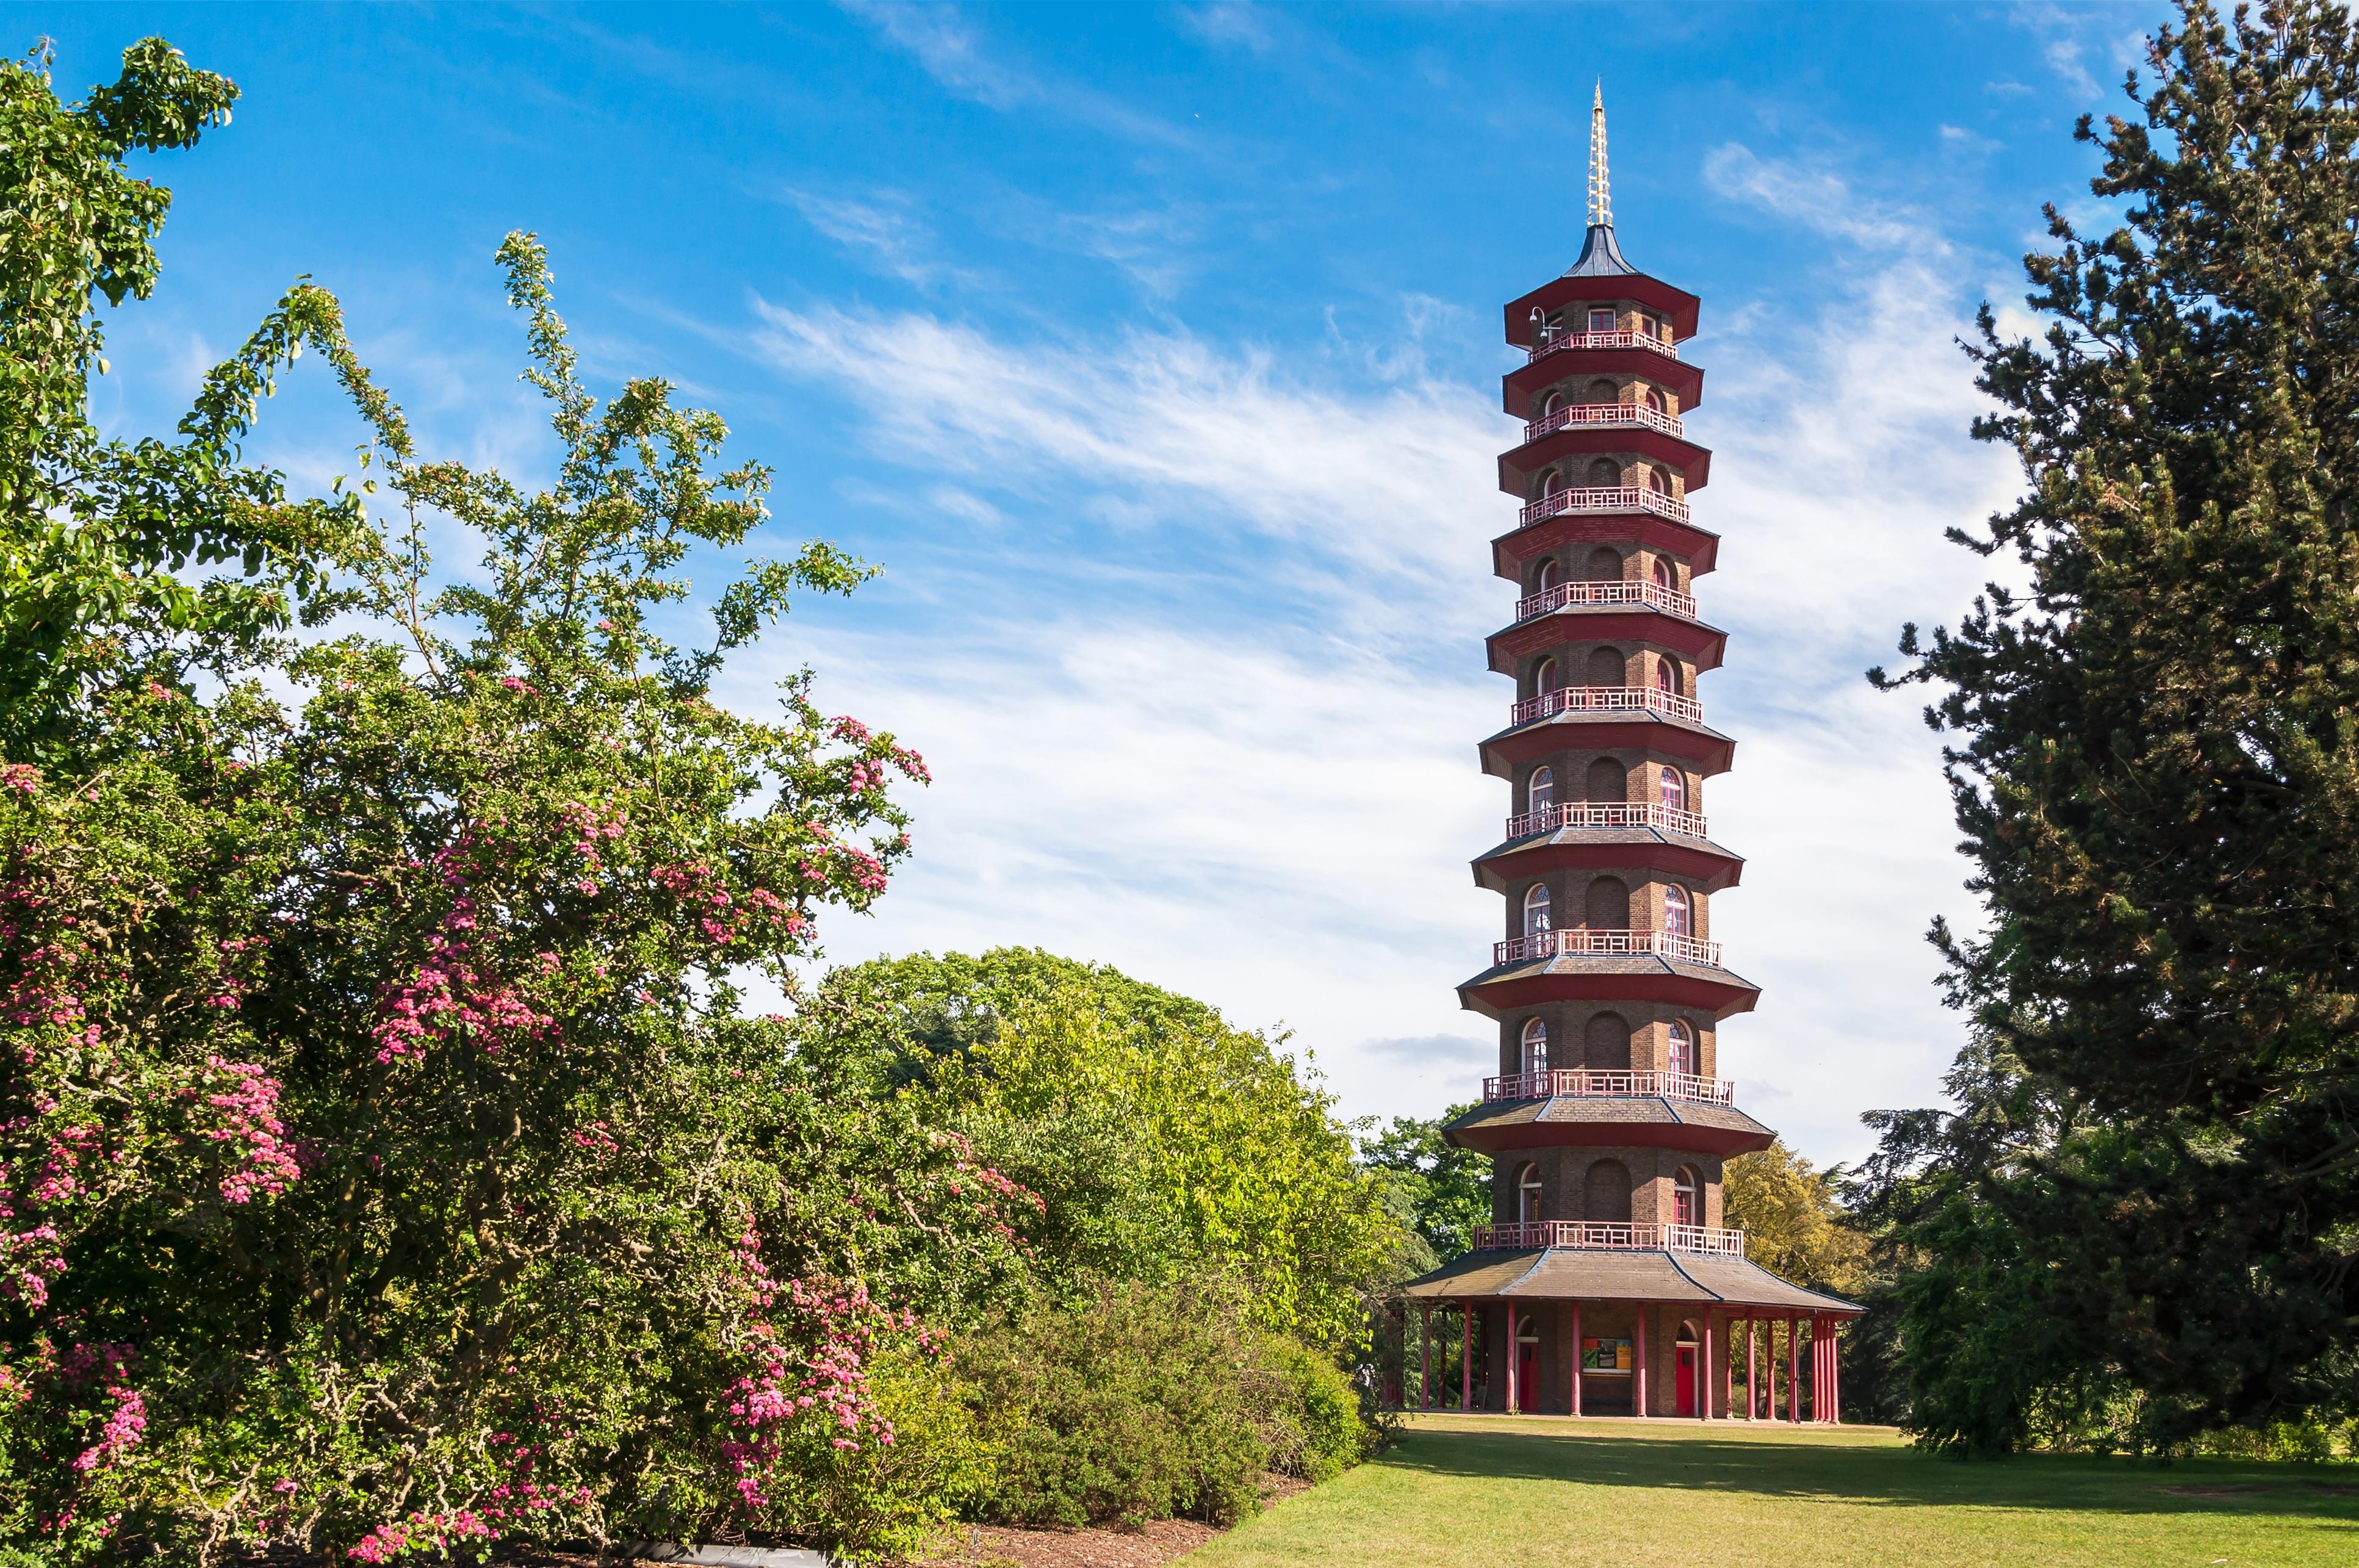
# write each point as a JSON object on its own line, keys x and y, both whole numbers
{"x": 100, "y": 540}
{"x": 1794, "y": 1221}
{"x": 2158, "y": 776}
{"x": 1164, "y": 1144}
{"x": 1442, "y": 1189}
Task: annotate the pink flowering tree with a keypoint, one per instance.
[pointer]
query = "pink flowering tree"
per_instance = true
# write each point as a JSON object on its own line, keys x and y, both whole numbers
{"x": 388, "y": 1165}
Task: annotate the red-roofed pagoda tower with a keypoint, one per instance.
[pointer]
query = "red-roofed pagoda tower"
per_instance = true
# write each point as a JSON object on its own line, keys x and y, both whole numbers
{"x": 1606, "y": 1283}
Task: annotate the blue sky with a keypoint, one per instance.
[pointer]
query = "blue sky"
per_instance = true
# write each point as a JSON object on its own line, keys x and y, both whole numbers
{"x": 1154, "y": 352}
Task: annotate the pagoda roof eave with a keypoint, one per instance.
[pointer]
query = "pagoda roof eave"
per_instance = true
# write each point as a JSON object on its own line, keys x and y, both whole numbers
{"x": 1599, "y": 1274}
{"x": 1677, "y": 304}
{"x": 1520, "y": 386}
{"x": 1608, "y": 730}
{"x": 1639, "y": 1121}
{"x": 1698, "y": 641}
{"x": 1616, "y": 977}
{"x": 1700, "y": 547}
{"x": 1608, "y": 849}
{"x": 1519, "y": 463}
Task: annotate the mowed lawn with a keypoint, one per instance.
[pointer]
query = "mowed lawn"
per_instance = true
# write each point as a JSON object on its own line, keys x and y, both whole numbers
{"x": 1489, "y": 1493}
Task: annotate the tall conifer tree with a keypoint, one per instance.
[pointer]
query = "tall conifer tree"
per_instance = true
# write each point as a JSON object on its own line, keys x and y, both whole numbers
{"x": 2149, "y": 1209}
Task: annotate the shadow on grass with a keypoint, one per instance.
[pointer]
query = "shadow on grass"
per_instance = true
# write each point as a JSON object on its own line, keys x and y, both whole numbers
{"x": 1898, "y": 1477}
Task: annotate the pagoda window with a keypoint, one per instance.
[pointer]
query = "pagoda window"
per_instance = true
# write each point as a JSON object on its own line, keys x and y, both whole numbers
{"x": 1687, "y": 1197}
{"x": 1541, "y": 794}
{"x": 1674, "y": 792}
{"x": 1606, "y": 666}
{"x": 1604, "y": 565}
{"x": 1655, "y": 482}
{"x": 1603, "y": 391}
{"x": 1553, "y": 483}
{"x": 1528, "y": 1193}
{"x": 1651, "y": 325}
{"x": 1536, "y": 909}
{"x": 1550, "y": 404}
{"x": 1677, "y": 917}
{"x": 1682, "y": 1052}
{"x": 1600, "y": 321}
{"x": 1665, "y": 578}
{"x": 1666, "y": 677}
{"x": 1655, "y": 401}
{"x": 1549, "y": 575}
{"x": 1608, "y": 784}
{"x": 1536, "y": 1053}
{"x": 1604, "y": 475}
{"x": 1544, "y": 677}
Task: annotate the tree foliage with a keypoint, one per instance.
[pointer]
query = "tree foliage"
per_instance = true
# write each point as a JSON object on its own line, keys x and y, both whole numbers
{"x": 1794, "y": 1220}
{"x": 2149, "y": 1200}
{"x": 1441, "y": 1190}
{"x": 1165, "y": 1146}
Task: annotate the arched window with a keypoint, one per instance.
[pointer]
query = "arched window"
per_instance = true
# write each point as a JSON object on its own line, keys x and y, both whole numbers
{"x": 1687, "y": 1197}
{"x": 1536, "y": 1047}
{"x": 1604, "y": 473}
{"x": 1666, "y": 677}
{"x": 1655, "y": 401}
{"x": 1549, "y": 575}
{"x": 1665, "y": 578}
{"x": 1541, "y": 794}
{"x": 1655, "y": 482}
{"x": 1536, "y": 909}
{"x": 1527, "y": 1193}
{"x": 1676, "y": 919}
{"x": 1675, "y": 789}
{"x": 1682, "y": 1047}
{"x": 1544, "y": 677}
{"x": 1553, "y": 483}
{"x": 1550, "y": 404}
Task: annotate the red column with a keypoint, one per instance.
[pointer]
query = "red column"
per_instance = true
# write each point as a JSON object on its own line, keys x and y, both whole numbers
{"x": 1638, "y": 1365}
{"x": 1425, "y": 1355}
{"x": 1752, "y": 1369}
{"x": 1794, "y": 1371}
{"x": 1703, "y": 1369}
{"x": 1465, "y": 1355}
{"x": 1514, "y": 1357}
{"x": 1576, "y": 1359}
{"x": 1834, "y": 1372}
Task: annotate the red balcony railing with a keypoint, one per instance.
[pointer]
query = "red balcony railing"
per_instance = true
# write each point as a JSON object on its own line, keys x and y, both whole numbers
{"x": 1548, "y": 345}
{"x": 1607, "y": 699}
{"x": 1580, "y": 1083}
{"x": 1528, "y": 1233}
{"x": 1606, "y": 498}
{"x": 1613, "y": 591}
{"x": 1583, "y": 942}
{"x": 1596, "y": 814}
{"x": 1620, "y": 414}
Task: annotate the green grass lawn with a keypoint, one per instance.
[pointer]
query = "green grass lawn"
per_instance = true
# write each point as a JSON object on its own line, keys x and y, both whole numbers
{"x": 1490, "y": 1493}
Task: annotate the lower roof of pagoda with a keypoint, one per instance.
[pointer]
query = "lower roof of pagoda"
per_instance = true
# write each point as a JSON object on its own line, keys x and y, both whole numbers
{"x": 1700, "y": 547}
{"x": 1586, "y": 1274}
{"x": 1607, "y": 977}
{"x": 1607, "y": 1121}
{"x": 1520, "y": 464}
{"x": 1607, "y": 729}
{"x": 1521, "y": 387}
{"x": 1693, "y": 640}
{"x": 1608, "y": 849}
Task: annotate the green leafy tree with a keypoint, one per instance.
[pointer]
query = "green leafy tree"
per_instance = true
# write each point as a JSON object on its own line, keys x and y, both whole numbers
{"x": 1441, "y": 1190}
{"x": 101, "y": 541}
{"x": 1794, "y": 1220}
{"x": 2158, "y": 776}
{"x": 1163, "y": 1143}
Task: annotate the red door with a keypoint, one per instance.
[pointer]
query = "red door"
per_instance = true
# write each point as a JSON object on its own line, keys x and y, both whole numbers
{"x": 1687, "y": 1386}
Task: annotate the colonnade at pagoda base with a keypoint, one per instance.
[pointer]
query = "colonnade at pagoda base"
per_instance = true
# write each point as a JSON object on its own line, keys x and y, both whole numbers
{"x": 1647, "y": 1360}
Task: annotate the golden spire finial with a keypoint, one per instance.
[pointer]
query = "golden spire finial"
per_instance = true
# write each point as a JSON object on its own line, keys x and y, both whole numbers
{"x": 1600, "y": 197}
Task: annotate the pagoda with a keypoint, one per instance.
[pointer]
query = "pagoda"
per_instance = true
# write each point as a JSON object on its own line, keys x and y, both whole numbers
{"x": 1607, "y": 1282}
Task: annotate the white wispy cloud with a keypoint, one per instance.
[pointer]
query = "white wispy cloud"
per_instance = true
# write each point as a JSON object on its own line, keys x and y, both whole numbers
{"x": 885, "y": 233}
{"x": 1814, "y": 197}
